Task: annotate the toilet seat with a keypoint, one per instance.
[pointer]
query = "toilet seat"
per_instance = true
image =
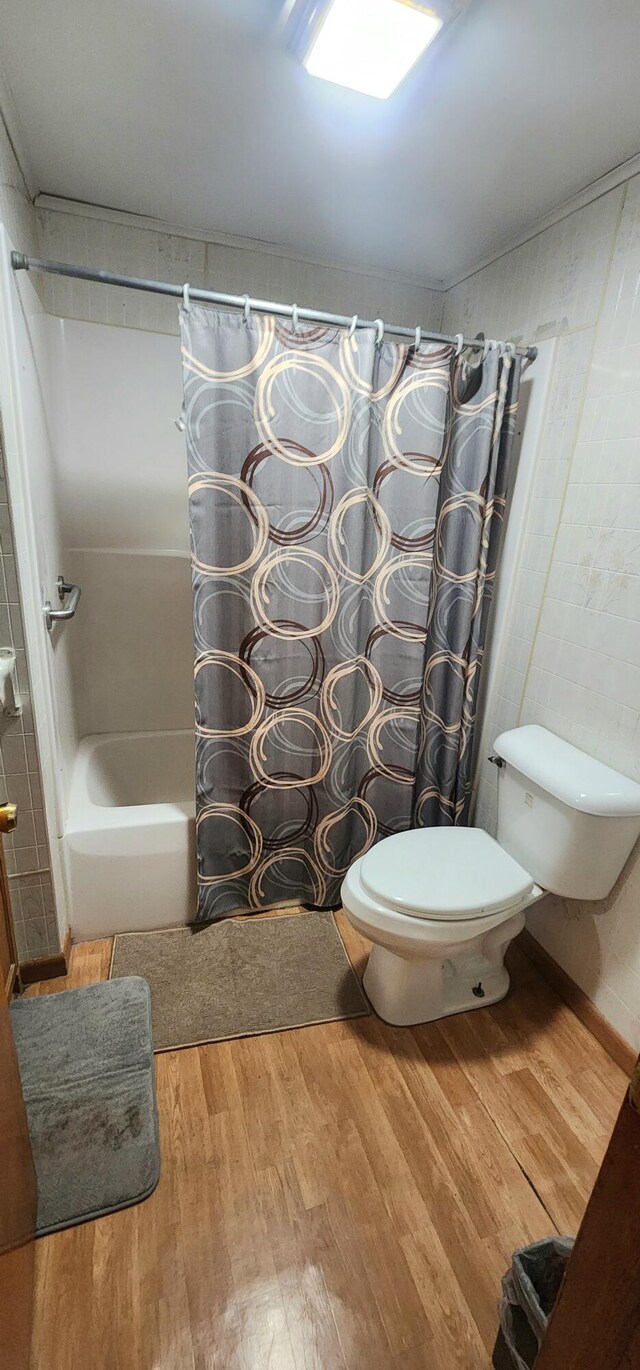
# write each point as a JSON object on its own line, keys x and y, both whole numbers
{"x": 443, "y": 874}
{"x": 418, "y": 936}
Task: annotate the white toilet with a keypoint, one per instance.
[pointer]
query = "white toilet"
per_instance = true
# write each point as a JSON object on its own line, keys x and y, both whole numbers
{"x": 442, "y": 904}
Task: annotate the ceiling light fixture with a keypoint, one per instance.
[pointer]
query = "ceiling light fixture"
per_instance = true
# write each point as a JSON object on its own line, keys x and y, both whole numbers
{"x": 370, "y": 45}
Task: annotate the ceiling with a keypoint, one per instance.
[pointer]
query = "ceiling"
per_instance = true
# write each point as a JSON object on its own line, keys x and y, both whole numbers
{"x": 190, "y": 111}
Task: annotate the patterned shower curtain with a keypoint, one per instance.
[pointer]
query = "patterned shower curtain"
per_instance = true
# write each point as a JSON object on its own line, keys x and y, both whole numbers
{"x": 346, "y": 500}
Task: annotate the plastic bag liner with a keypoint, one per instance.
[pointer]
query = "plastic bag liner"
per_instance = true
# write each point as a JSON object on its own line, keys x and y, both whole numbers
{"x": 529, "y": 1291}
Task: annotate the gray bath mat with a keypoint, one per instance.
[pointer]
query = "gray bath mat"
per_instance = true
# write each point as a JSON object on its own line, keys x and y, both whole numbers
{"x": 241, "y": 977}
{"x": 86, "y": 1065}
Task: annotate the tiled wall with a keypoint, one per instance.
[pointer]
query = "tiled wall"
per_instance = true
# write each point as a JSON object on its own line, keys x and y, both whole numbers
{"x": 560, "y": 427}
{"x": 26, "y": 850}
{"x": 140, "y": 251}
{"x": 588, "y": 641}
{"x": 552, "y": 286}
{"x": 584, "y": 680}
{"x": 573, "y": 659}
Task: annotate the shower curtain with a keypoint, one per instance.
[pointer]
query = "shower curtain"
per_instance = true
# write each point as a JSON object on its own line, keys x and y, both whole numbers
{"x": 345, "y": 500}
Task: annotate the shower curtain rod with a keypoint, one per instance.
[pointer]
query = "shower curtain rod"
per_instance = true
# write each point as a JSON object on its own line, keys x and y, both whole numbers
{"x": 20, "y": 262}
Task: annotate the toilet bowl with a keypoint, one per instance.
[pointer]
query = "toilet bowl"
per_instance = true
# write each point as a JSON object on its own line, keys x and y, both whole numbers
{"x": 441, "y": 905}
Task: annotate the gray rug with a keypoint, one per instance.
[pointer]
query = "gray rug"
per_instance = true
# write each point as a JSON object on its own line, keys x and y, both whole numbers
{"x": 86, "y": 1065}
{"x": 241, "y": 977}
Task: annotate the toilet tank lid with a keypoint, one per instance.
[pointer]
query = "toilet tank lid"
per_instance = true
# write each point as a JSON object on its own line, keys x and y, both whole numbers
{"x": 568, "y": 774}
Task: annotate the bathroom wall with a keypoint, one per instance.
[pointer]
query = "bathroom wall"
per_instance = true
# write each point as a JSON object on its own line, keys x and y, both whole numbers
{"x": 134, "y": 246}
{"x": 120, "y": 461}
{"x": 551, "y": 287}
{"x": 577, "y": 580}
{"x": 572, "y": 660}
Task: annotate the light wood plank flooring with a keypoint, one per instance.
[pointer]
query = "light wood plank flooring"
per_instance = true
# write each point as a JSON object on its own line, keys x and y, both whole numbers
{"x": 340, "y": 1197}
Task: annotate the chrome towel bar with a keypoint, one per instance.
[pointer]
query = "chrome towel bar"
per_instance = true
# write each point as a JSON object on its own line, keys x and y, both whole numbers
{"x": 65, "y": 588}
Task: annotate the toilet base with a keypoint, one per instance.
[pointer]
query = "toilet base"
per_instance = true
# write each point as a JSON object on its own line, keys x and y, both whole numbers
{"x": 407, "y": 991}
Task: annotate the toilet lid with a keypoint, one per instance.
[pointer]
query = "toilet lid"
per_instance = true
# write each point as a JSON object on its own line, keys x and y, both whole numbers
{"x": 444, "y": 873}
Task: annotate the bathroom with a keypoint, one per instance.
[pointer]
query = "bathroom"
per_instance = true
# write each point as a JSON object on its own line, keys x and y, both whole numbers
{"x": 359, "y": 1104}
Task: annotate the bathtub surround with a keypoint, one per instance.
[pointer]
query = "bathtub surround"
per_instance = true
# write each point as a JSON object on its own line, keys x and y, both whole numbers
{"x": 124, "y": 526}
{"x": 346, "y": 499}
{"x": 140, "y": 601}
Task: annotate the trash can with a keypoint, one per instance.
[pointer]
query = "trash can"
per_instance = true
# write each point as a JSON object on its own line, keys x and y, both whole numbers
{"x": 529, "y": 1291}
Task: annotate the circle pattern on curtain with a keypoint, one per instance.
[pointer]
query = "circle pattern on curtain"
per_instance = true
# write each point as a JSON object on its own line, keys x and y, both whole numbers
{"x": 345, "y": 506}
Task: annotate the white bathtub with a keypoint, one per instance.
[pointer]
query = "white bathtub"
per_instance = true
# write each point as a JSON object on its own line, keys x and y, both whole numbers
{"x": 130, "y": 836}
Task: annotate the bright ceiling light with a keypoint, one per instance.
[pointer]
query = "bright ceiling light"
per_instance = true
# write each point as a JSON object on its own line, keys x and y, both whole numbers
{"x": 370, "y": 45}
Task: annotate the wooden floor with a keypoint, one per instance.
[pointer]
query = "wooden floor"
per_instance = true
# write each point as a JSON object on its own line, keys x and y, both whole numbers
{"x": 345, "y": 1195}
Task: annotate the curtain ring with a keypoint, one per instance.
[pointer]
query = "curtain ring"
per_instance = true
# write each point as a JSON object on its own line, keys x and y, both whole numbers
{"x": 352, "y": 326}
{"x": 247, "y": 308}
{"x": 185, "y": 297}
{"x": 488, "y": 344}
{"x": 379, "y": 331}
{"x": 418, "y": 337}
{"x": 294, "y": 317}
{"x": 459, "y": 343}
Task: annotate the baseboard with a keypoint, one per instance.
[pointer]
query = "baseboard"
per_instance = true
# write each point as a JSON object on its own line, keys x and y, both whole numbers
{"x": 47, "y": 967}
{"x": 624, "y": 1055}
{"x": 10, "y": 982}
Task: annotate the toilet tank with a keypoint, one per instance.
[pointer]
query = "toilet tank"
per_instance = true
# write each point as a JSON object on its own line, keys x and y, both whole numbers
{"x": 568, "y": 819}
